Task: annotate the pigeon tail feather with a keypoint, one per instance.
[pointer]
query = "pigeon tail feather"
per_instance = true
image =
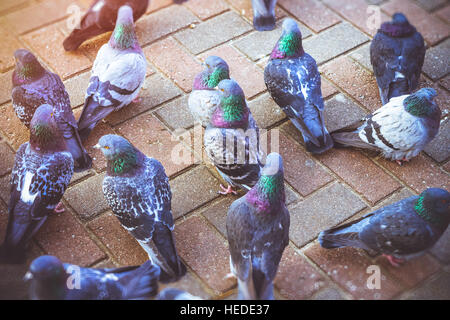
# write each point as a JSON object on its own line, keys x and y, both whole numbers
{"x": 78, "y": 36}
{"x": 145, "y": 281}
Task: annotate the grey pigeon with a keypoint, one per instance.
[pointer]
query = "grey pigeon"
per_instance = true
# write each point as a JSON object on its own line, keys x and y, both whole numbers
{"x": 175, "y": 294}
{"x": 42, "y": 171}
{"x": 204, "y": 98}
{"x": 258, "y": 232}
{"x": 100, "y": 18}
{"x": 33, "y": 86}
{"x": 294, "y": 82}
{"x": 399, "y": 231}
{"x": 264, "y": 14}
{"x": 397, "y": 52}
{"x": 231, "y": 139}
{"x": 400, "y": 129}
{"x": 137, "y": 189}
{"x": 50, "y": 279}
{"x": 117, "y": 76}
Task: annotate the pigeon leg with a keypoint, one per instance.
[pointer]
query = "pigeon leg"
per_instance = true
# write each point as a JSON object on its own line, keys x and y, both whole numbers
{"x": 59, "y": 208}
{"x": 226, "y": 191}
{"x": 394, "y": 261}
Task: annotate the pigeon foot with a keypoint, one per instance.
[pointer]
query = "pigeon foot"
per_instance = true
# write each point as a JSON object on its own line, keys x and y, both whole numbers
{"x": 137, "y": 100}
{"x": 59, "y": 208}
{"x": 394, "y": 261}
{"x": 226, "y": 191}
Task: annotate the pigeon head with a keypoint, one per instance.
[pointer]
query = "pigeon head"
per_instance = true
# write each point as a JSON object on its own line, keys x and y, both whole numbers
{"x": 45, "y": 135}
{"x": 433, "y": 205}
{"x": 232, "y": 111}
{"x": 420, "y": 103}
{"x": 122, "y": 157}
{"x": 27, "y": 68}
{"x": 398, "y": 27}
{"x": 269, "y": 190}
{"x": 124, "y": 36}
{"x": 48, "y": 277}
{"x": 216, "y": 70}
{"x": 290, "y": 43}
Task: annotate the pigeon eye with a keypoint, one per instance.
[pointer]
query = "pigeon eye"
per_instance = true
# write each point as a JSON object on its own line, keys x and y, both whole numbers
{"x": 51, "y": 114}
{"x": 106, "y": 147}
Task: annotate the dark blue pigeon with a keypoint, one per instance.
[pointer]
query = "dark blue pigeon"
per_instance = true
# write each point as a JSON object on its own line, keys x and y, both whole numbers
{"x": 34, "y": 86}
{"x": 258, "y": 232}
{"x": 397, "y": 52}
{"x": 175, "y": 294}
{"x": 53, "y": 280}
{"x": 264, "y": 14}
{"x": 41, "y": 173}
{"x": 399, "y": 231}
{"x": 294, "y": 82}
{"x": 137, "y": 190}
{"x": 100, "y": 18}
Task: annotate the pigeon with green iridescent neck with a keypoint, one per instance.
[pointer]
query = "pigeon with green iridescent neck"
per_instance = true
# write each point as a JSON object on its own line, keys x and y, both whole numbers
{"x": 232, "y": 139}
{"x": 100, "y": 18}
{"x": 33, "y": 86}
{"x": 204, "y": 98}
{"x": 117, "y": 76}
{"x": 137, "y": 189}
{"x": 397, "y": 53}
{"x": 294, "y": 82}
{"x": 400, "y": 129}
{"x": 402, "y": 230}
{"x": 264, "y": 14}
{"x": 41, "y": 173}
{"x": 258, "y": 232}
{"x": 51, "y": 279}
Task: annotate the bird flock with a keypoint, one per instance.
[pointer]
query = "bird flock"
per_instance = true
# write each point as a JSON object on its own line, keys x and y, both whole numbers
{"x": 136, "y": 186}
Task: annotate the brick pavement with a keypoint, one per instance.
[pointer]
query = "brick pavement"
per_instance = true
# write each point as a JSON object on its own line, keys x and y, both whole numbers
{"x": 322, "y": 191}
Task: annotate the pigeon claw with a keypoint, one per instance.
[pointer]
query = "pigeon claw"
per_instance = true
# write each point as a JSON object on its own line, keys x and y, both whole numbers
{"x": 396, "y": 262}
{"x": 226, "y": 191}
{"x": 59, "y": 208}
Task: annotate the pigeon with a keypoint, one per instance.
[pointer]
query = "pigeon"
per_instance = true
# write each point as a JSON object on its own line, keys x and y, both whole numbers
{"x": 400, "y": 129}
{"x": 400, "y": 231}
{"x": 232, "y": 139}
{"x": 117, "y": 76}
{"x": 294, "y": 82}
{"x": 41, "y": 173}
{"x": 100, "y": 18}
{"x": 397, "y": 52}
{"x": 258, "y": 232}
{"x": 264, "y": 14}
{"x": 176, "y": 294}
{"x": 137, "y": 189}
{"x": 204, "y": 98}
{"x": 50, "y": 279}
{"x": 33, "y": 86}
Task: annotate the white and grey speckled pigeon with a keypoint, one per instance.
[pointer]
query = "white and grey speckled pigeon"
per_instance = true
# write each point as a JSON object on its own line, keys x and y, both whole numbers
{"x": 33, "y": 86}
{"x": 264, "y": 14}
{"x": 397, "y": 53}
{"x": 100, "y": 18}
{"x": 117, "y": 76}
{"x": 399, "y": 231}
{"x": 294, "y": 82}
{"x": 258, "y": 232}
{"x": 400, "y": 129}
{"x": 137, "y": 189}
{"x": 204, "y": 98}
{"x": 175, "y": 294}
{"x": 53, "y": 280}
{"x": 232, "y": 139}
{"x": 42, "y": 171}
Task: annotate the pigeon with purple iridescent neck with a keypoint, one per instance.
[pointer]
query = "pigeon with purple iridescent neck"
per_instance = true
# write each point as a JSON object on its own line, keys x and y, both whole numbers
{"x": 117, "y": 76}
{"x": 294, "y": 82}
{"x": 258, "y": 232}
{"x": 41, "y": 173}
{"x": 400, "y": 129}
{"x": 204, "y": 98}
{"x": 397, "y": 53}
{"x": 100, "y": 18}
{"x": 264, "y": 14}
{"x": 232, "y": 139}
{"x": 403, "y": 230}
{"x": 33, "y": 86}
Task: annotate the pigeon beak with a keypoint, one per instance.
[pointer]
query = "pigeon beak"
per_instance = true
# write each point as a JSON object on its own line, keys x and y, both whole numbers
{"x": 28, "y": 276}
{"x": 97, "y": 146}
